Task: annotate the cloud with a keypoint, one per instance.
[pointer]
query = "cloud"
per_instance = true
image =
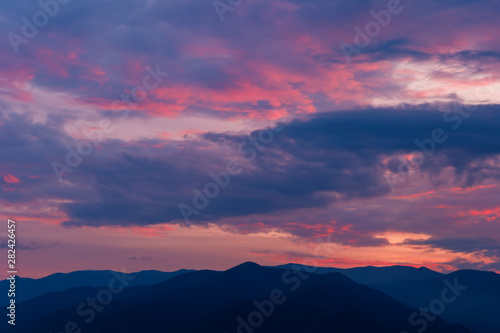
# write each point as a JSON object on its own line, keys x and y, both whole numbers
{"x": 312, "y": 163}
{"x": 325, "y": 174}
{"x": 143, "y": 258}
{"x": 11, "y": 179}
{"x": 485, "y": 245}
{"x": 26, "y": 246}
{"x": 460, "y": 263}
{"x": 94, "y": 53}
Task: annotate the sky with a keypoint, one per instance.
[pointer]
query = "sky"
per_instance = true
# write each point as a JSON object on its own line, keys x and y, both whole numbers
{"x": 145, "y": 134}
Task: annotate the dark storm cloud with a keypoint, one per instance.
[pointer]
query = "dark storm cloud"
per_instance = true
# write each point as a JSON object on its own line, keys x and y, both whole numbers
{"x": 332, "y": 153}
{"x": 311, "y": 163}
{"x": 485, "y": 245}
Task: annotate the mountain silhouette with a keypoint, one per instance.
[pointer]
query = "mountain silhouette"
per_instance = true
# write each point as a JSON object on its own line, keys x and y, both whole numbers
{"x": 477, "y": 307}
{"x": 244, "y": 299}
{"x": 28, "y": 288}
{"x": 372, "y": 275}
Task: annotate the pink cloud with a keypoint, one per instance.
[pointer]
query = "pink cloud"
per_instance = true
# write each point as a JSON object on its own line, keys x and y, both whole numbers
{"x": 11, "y": 179}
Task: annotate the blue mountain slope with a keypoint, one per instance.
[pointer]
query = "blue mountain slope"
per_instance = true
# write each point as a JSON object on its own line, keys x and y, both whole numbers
{"x": 372, "y": 275}
{"x": 27, "y": 288}
{"x": 477, "y": 306}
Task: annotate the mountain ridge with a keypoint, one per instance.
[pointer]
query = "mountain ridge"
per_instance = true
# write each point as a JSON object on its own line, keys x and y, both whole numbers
{"x": 215, "y": 301}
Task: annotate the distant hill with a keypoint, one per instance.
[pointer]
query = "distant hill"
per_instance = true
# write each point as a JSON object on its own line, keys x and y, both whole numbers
{"x": 245, "y": 299}
{"x": 478, "y": 307}
{"x": 27, "y": 288}
{"x": 372, "y": 275}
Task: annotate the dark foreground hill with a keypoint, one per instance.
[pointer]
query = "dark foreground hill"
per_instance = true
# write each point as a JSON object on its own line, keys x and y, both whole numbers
{"x": 245, "y": 299}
